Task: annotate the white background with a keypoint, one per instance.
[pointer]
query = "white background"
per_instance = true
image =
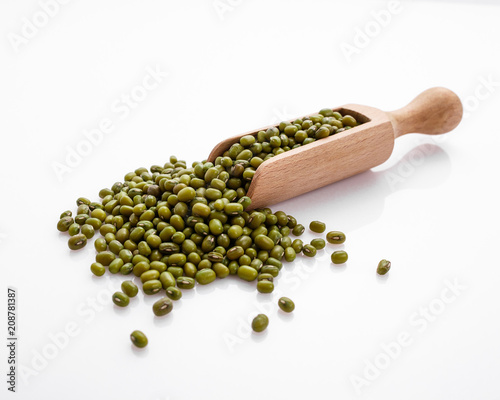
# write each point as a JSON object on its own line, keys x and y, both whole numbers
{"x": 432, "y": 209}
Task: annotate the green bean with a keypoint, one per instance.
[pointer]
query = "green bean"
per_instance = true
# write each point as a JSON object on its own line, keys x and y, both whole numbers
{"x": 173, "y": 293}
{"x": 167, "y": 279}
{"x": 339, "y": 257}
{"x": 274, "y": 262}
{"x": 309, "y": 250}
{"x": 265, "y": 286}
{"x": 298, "y": 230}
{"x": 67, "y": 213}
{"x": 348, "y": 120}
{"x": 77, "y": 242}
{"x": 139, "y": 339}
{"x": 104, "y": 257}
{"x": 74, "y": 229}
{"x": 64, "y": 223}
{"x": 286, "y": 304}
{"x": 277, "y": 252}
{"x": 297, "y": 245}
{"x": 335, "y": 237}
{"x": 270, "y": 269}
{"x": 127, "y": 269}
{"x": 290, "y": 254}
{"x": 162, "y": 307}
{"x": 264, "y": 242}
{"x": 184, "y": 282}
{"x": 152, "y": 287}
{"x": 82, "y": 200}
{"x": 141, "y": 267}
{"x": 97, "y": 269}
{"x": 205, "y": 276}
{"x": 130, "y": 288}
{"x": 149, "y": 275}
{"x": 317, "y": 226}
{"x": 247, "y": 273}
{"x": 318, "y": 243}
{"x": 115, "y": 265}
{"x": 221, "y": 271}
{"x": 265, "y": 276}
{"x": 88, "y": 231}
{"x": 383, "y": 267}
{"x": 121, "y": 299}
{"x": 260, "y": 323}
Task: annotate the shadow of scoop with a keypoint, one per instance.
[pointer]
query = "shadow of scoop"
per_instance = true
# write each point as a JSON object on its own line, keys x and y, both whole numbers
{"x": 424, "y": 167}
{"x": 361, "y": 198}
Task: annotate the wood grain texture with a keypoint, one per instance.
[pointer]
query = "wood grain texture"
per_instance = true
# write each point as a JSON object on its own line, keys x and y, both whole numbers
{"x": 348, "y": 153}
{"x": 433, "y": 112}
{"x": 325, "y": 161}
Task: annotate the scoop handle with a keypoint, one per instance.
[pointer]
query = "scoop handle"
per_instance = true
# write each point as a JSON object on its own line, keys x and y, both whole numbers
{"x": 433, "y": 112}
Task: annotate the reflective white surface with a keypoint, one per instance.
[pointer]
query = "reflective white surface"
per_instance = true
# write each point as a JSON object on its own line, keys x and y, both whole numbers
{"x": 428, "y": 330}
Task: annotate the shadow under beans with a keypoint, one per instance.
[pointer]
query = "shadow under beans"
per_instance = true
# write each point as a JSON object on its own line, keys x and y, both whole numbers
{"x": 166, "y": 320}
{"x": 338, "y": 268}
{"x": 265, "y": 297}
{"x": 122, "y": 310}
{"x": 138, "y": 351}
{"x": 223, "y": 284}
{"x": 84, "y": 251}
{"x": 209, "y": 288}
{"x": 362, "y": 197}
{"x": 150, "y": 299}
{"x": 234, "y": 280}
{"x": 284, "y": 316}
{"x": 382, "y": 279}
{"x": 258, "y": 336}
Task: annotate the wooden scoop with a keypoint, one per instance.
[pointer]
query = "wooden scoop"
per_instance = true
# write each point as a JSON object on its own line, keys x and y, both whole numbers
{"x": 433, "y": 112}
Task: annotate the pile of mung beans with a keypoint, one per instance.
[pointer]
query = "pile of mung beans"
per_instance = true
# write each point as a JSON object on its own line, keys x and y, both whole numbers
{"x": 173, "y": 225}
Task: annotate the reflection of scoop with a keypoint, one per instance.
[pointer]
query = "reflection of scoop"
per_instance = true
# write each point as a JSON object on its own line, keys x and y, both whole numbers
{"x": 345, "y": 154}
{"x": 360, "y": 199}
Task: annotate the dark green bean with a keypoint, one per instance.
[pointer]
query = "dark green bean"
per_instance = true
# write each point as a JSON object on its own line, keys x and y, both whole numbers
{"x": 383, "y": 267}
{"x": 260, "y": 323}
